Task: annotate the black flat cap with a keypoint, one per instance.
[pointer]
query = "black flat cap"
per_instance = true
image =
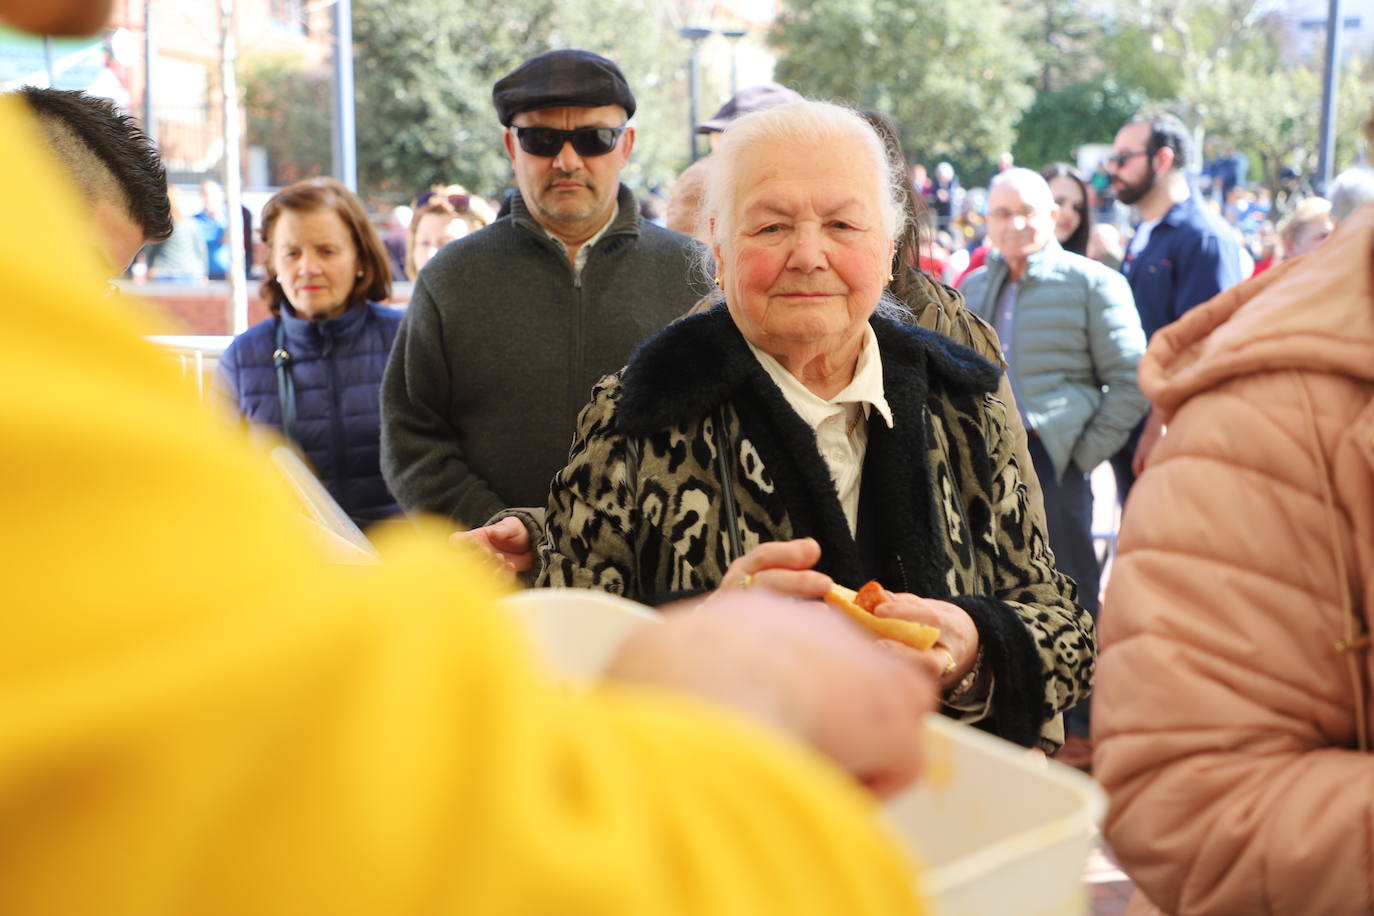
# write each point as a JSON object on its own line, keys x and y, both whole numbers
{"x": 557, "y": 79}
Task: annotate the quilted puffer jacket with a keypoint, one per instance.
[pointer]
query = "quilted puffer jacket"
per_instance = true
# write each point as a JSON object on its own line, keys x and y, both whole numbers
{"x": 336, "y": 367}
{"x": 1074, "y": 349}
{"x": 1233, "y": 712}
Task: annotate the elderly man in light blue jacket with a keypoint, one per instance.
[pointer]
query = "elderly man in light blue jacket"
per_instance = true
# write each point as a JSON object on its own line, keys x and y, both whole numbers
{"x": 1072, "y": 338}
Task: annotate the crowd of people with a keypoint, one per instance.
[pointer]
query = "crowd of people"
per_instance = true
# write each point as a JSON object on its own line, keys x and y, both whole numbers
{"x": 1095, "y": 222}
{"x": 789, "y": 394}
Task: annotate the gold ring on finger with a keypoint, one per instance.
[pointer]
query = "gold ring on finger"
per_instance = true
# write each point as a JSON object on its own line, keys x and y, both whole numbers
{"x": 949, "y": 664}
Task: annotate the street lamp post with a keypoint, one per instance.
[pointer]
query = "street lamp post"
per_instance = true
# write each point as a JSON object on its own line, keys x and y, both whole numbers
{"x": 344, "y": 133}
{"x": 734, "y": 36}
{"x": 233, "y": 175}
{"x": 695, "y": 36}
{"x": 48, "y": 62}
{"x": 149, "y": 56}
{"x": 1327, "y": 140}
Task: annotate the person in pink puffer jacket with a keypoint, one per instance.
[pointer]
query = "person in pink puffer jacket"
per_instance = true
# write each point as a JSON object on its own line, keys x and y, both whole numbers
{"x": 1233, "y": 714}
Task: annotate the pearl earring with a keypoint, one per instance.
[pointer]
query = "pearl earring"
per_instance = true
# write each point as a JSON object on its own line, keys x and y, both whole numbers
{"x": 717, "y": 279}
{"x": 890, "y": 278}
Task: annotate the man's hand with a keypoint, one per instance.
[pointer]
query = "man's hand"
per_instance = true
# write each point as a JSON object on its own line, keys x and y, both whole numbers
{"x": 507, "y": 542}
{"x": 1149, "y": 437}
{"x": 795, "y": 666}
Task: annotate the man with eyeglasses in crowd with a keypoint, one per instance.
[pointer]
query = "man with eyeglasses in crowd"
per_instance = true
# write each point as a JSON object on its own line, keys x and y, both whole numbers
{"x": 511, "y": 326}
{"x": 1072, "y": 341}
{"x": 1181, "y": 254}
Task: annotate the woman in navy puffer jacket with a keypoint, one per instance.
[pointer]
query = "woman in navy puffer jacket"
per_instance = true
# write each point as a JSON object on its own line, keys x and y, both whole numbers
{"x": 322, "y": 354}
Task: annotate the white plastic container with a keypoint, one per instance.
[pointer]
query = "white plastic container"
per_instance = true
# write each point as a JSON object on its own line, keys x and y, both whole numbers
{"x": 1001, "y": 833}
{"x": 578, "y": 630}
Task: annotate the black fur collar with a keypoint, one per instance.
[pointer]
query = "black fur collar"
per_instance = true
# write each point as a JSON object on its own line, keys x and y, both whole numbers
{"x": 690, "y": 367}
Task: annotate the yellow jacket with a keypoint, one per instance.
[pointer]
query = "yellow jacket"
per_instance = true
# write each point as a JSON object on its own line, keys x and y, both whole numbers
{"x": 198, "y": 714}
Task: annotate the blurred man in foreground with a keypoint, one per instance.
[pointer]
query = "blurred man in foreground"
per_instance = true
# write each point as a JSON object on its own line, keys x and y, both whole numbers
{"x": 113, "y": 163}
{"x": 198, "y": 714}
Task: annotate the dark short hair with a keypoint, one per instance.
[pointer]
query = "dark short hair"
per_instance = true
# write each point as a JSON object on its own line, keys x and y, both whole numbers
{"x": 1078, "y": 242}
{"x": 1167, "y": 131}
{"x": 107, "y": 154}
{"x": 311, "y": 196}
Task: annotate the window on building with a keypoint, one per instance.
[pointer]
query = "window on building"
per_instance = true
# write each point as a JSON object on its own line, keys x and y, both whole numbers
{"x": 290, "y": 15}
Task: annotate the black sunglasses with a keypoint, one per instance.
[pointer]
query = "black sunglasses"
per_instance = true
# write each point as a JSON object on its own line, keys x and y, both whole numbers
{"x": 1121, "y": 159}
{"x": 586, "y": 141}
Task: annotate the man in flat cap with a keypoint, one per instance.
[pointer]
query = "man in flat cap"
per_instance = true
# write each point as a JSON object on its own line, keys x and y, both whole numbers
{"x": 510, "y": 326}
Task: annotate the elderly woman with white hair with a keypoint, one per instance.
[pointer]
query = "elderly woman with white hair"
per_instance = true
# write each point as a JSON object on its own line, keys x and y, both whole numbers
{"x": 797, "y": 435}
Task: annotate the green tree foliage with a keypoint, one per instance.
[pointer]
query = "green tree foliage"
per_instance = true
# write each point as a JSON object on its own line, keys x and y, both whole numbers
{"x": 1274, "y": 115}
{"x": 1173, "y": 48}
{"x": 286, "y": 106}
{"x": 1223, "y": 67}
{"x": 424, "y": 71}
{"x": 1096, "y": 69}
{"x": 1064, "y": 37}
{"x": 1062, "y": 119}
{"x": 952, "y": 74}
{"x": 1126, "y": 52}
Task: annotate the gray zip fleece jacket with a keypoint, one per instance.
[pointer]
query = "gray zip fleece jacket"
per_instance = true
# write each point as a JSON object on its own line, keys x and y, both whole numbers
{"x": 1076, "y": 342}
{"x": 499, "y": 350}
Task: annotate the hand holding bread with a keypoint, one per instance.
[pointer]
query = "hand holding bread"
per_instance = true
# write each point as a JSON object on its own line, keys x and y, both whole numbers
{"x": 936, "y": 635}
{"x": 859, "y": 606}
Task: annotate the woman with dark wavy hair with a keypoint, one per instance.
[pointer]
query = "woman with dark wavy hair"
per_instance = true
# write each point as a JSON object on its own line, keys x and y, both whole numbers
{"x": 939, "y": 307}
{"x": 1071, "y": 194}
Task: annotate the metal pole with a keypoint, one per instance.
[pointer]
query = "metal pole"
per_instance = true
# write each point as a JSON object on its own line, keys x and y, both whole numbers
{"x": 1327, "y": 147}
{"x": 692, "y": 111}
{"x": 149, "y": 54}
{"x": 344, "y": 133}
{"x": 47, "y": 60}
{"x": 693, "y": 35}
{"x": 233, "y": 183}
{"x": 734, "y": 37}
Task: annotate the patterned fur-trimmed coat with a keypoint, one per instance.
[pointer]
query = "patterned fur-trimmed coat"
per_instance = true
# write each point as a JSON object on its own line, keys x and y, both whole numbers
{"x": 639, "y": 509}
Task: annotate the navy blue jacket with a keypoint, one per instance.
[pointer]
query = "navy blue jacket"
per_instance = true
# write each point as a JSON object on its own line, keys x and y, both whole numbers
{"x": 336, "y": 367}
{"x": 1190, "y": 257}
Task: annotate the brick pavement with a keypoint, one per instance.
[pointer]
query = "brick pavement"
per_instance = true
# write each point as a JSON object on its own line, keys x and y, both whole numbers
{"x": 1109, "y": 890}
